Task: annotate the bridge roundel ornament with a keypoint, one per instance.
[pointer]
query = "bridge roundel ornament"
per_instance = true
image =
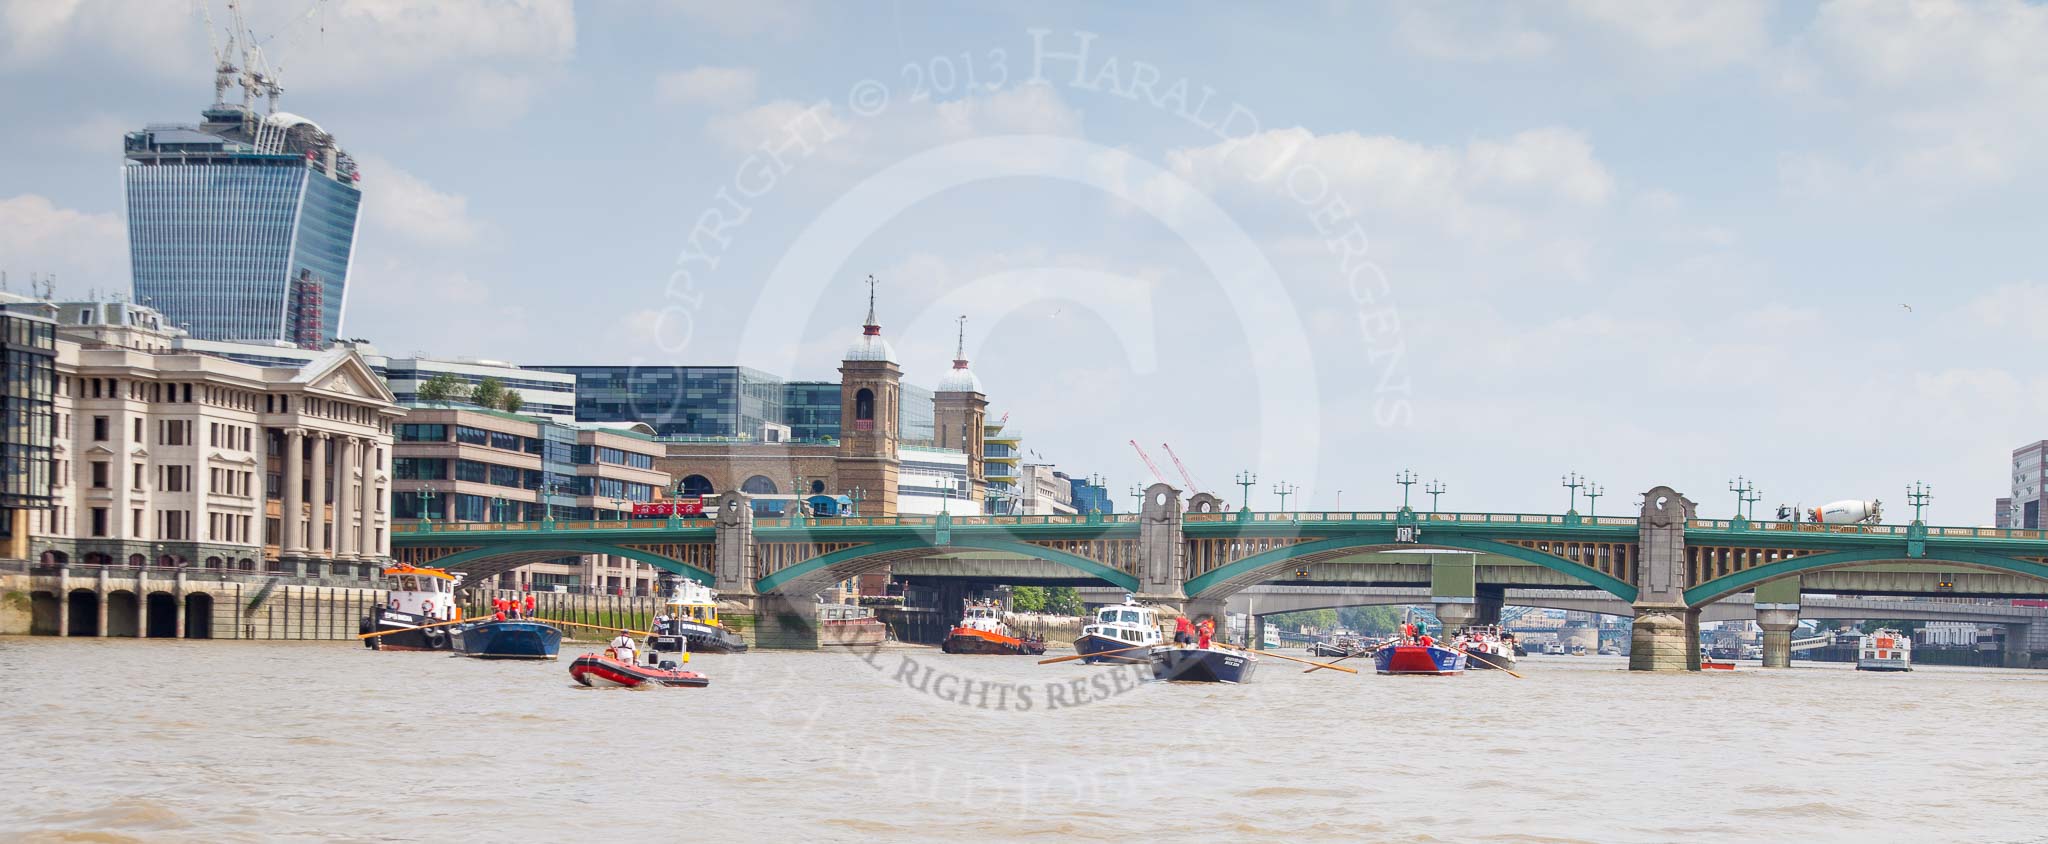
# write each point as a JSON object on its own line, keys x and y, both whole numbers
{"x": 732, "y": 510}
{"x": 1665, "y": 507}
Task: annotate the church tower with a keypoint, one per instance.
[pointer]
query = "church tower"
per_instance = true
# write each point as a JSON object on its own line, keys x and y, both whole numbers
{"x": 869, "y": 396}
{"x": 960, "y": 409}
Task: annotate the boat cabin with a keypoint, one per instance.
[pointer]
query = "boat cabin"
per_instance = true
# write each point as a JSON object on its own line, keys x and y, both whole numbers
{"x": 689, "y": 600}
{"x": 1127, "y": 622}
{"x": 421, "y": 591}
{"x": 984, "y": 616}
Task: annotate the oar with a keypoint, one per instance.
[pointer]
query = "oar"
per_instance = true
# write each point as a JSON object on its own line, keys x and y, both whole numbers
{"x": 1097, "y": 653}
{"x": 592, "y": 626}
{"x": 1497, "y": 665}
{"x": 1294, "y": 659}
{"x": 1349, "y": 656}
{"x": 419, "y": 627}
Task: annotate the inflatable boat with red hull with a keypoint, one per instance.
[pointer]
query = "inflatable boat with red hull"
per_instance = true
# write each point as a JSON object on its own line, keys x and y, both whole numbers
{"x": 601, "y": 670}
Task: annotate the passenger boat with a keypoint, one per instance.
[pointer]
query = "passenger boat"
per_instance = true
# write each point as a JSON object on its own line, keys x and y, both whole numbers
{"x": 981, "y": 631}
{"x": 607, "y": 670}
{"x": 1192, "y": 664}
{"x": 1120, "y": 627}
{"x": 1487, "y": 646}
{"x": 517, "y": 639}
{"x": 1554, "y": 649}
{"x": 1709, "y": 662}
{"x": 1417, "y": 658}
{"x": 846, "y": 624}
{"x": 418, "y": 596}
{"x": 693, "y": 624}
{"x": 1885, "y": 650}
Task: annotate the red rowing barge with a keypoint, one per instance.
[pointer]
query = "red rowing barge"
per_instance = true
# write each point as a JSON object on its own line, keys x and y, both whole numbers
{"x": 606, "y": 669}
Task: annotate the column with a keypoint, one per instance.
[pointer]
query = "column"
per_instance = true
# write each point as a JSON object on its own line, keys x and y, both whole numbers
{"x": 64, "y": 599}
{"x": 366, "y": 545}
{"x": 1777, "y": 612}
{"x": 294, "y": 494}
{"x": 344, "y": 497}
{"x": 2018, "y": 644}
{"x": 316, "y": 527}
{"x": 178, "y": 595}
{"x": 101, "y": 588}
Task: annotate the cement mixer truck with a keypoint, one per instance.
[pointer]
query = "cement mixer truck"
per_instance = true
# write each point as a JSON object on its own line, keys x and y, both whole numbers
{"x": 1851, "y": 512}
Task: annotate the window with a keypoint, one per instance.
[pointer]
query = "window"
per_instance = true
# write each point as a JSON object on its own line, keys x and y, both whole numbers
{"x": 99, "y": 477}
{"x": 99, "y": 521}
{"x": 99, "y": 429}
{"x": 136, "y": 482}
{"x": 138, "y": 429}
{"x": 422, "y": 433}
{"x": 864, "y": 409}
{"x": 472, "y": 436}
{"x": 177, "y": 479}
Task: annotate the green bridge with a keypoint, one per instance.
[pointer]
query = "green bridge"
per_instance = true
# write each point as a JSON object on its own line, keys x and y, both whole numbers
{"x": 1665, "y": 562}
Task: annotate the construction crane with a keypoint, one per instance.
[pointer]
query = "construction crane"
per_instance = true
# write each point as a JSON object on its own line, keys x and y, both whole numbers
{"x": 1183, "y": 467}
{"x": 1148, "y": 462}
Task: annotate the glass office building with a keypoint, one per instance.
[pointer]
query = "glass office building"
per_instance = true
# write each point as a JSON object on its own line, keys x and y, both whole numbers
{"x": 733, "y": 402}
{"x": 28, "y": 364}
{"x": 242, "y": 227}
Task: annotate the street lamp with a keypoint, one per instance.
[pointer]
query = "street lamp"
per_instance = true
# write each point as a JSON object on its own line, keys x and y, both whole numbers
{"x": 1572, "y": 482}
{"x": 1246, "y": 479}
{"x": 857, "y": 495}
{"x": 1435, "y": 488}
{"x": 1743, "y": 488}
{"x": 498, "y": 508}
{"x": 1284, "y": 489}
{"x": 1919, "y": 494}
{"x": 1406, "y": 479}
{"x": 426, "y": 495}
{"x": 1593, "y": 493}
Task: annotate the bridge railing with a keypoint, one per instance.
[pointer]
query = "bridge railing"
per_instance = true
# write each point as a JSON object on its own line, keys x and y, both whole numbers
{"x": 955, "y": 521}
{"x": 1392, "y": 516}
{"x": 515, "y": 527}
{"x": 1871, "y": 530}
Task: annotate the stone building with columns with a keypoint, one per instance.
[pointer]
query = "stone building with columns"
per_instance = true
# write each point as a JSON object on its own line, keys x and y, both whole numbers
{"x": 164, "y": 458}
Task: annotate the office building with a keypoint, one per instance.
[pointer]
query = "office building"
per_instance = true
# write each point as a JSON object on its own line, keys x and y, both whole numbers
{"x": 473, "y": 465}
{"x": 727, "y": 402}
{"x": 242, "y": 226}
{"x": 2029, "y": 487}
{"x": 550, "y": 395}
{"x": 28, "y": 372}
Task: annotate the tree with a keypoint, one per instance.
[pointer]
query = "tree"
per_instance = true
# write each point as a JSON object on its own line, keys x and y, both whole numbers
{"x": 1063, "y": 600}
{"x": 443, "y": 388}
{"x": 513, "y": 401}
{"x": 1027, "y": 598}
{"x": 489, "y": 393}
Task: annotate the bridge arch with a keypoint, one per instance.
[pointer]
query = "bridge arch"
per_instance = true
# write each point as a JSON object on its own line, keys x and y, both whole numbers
{"x": 1722, "y": 587}
{"x": 858, "y": 559}
{"x": 480, "y": 563}
{"x": 1258, "y": 568}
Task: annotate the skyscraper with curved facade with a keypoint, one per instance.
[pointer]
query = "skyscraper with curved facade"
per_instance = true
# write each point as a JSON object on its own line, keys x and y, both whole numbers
{"x": 242, "y": 227}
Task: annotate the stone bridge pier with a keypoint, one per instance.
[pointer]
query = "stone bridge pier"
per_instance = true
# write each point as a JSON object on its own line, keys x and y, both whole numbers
{"x": 1666, "y": 633}
{"x": 1777, "y": 612}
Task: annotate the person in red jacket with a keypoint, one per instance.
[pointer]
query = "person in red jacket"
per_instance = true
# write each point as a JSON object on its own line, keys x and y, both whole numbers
{"x": 1206, "y": 631}
{"x": 1183, "y": 632}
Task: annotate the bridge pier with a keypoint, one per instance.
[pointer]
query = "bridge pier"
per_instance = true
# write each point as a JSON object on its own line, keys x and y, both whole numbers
{"x": 1659, "y": 639}
{"x": 1777, "y": 612}
{"x": 1666, "y": 634}
{"x": 2017, "y": 655}
{"x": 1455, "y": 613}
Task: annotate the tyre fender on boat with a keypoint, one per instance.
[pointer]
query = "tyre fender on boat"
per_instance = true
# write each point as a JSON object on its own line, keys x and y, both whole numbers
{"x": 436, "y": 638}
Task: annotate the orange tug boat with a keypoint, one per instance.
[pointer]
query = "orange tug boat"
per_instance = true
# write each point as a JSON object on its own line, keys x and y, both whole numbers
{"x": 981, "y": 631}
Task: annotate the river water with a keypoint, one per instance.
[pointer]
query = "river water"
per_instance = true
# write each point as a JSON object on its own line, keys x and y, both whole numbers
{"x": 114, "y": 740}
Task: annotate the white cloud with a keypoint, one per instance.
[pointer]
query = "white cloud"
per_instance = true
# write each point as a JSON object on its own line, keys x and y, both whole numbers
{"x": 144, "y": 32}
{"x": 84, "y": 251}
{"x": 404, "y": 205}
{"x": 1470, "y": 33}
{"x": 1675, "y": 33}
{"x": 748, "y": 18}
{"x": 720, "y": 86}
{"x": 903, "y": 128}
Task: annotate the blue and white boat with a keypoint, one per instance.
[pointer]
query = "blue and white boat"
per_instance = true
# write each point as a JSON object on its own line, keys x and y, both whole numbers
{"x": 1191, "y": 664}
{"x": 508, "y": 640}
{"x": 1129, "y": 627}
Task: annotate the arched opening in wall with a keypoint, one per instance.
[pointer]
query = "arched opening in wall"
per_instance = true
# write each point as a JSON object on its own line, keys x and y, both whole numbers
{"x": 168, "y": 561}
{"x": 697, "y": 486}
{"x": 162, "y": 621}
{"x": 98, "y": 559}
{"x": 864, "y": 410}
{"x": 85, "y": 613}
{"x": 137, "y": 560}
{"x": 53, "y": 558}
{"x": 122, "y": 614}
{"x": 213, "y": 562}
{"x": 245, "y": 564}
{"x": 42, "y": 614}
{"x": 198, "y": 616}
{"x": 758, "y": 485}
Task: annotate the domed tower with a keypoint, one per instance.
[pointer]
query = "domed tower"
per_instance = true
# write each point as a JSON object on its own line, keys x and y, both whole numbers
{"x": 959, "y": 409}
{"x": 869, "y": 395}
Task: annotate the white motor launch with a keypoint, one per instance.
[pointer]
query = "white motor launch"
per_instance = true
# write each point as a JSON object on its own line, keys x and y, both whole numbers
{"x": 1849, "y": 512}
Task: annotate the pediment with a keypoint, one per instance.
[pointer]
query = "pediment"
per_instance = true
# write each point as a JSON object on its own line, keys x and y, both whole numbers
{"x": 345, "y": 374}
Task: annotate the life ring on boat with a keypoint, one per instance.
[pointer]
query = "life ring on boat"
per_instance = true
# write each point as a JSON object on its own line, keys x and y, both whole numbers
{"x": 394, "y": 603}
{"x": 427, "y": 608}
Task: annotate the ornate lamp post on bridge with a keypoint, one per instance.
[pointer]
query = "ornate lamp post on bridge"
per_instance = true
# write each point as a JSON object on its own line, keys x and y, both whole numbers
{"x": 1572, "y": 482}
{"x": 1434, "y": 489}
{"x": 548, "y": 490}
{"x": 857, "y": 495}
{"x": 1919, "y": 494}
{"x": 1246, "y": 479}
{"x": 1406, "y": 479}
{"x": 426, "y": 496}
{"x": 498, "y": 508}
{"x": 1284, "y": 489}
{"x": 1593, "y": 493}
{"x": 1743, "y": 489}
{"x": 675, "y": 506}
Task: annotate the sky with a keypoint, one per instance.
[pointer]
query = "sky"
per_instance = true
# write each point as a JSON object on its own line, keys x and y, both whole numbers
{"x": 1643, "y": 242}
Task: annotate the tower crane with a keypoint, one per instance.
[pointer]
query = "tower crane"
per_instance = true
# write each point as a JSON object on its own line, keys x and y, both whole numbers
{"x": 1183, "y": 467}
{"x": 1148, "y": 462}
